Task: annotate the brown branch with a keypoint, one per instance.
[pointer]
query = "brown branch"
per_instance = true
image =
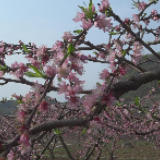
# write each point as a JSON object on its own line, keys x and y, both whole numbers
{"x": 117, "y": 18}
{"x": 95, "y": 47}
{"x": 47, "y": 126}
{"x": 134, "y": 82}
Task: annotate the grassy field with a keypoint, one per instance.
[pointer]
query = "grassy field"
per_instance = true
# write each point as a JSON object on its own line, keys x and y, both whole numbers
{"x": 141, "y": 150}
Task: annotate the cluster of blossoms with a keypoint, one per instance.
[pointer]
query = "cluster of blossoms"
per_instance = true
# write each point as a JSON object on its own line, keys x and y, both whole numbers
{"x": 108, "y": 118}
{"x": 99, "y": 21}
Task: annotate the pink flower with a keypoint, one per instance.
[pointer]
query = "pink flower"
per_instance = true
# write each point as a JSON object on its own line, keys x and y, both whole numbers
{"x": 98, "y": 91}
{"x": 108, "y": 99}
{"x": 62, "y": 87}
{"x": 73, "y": 102}
{"x": 77, "y": 67}
{"x": 63, "y": 72}
{"x": 112, "y": 66}
{"x": 154, "y": 12}
{"x": 41, "y": 51}
{"x": 23, "y": 68}
{"x": 88, "y": 103}
{"x": 50, "y": 70}
{"x": 43, "y": 107}
{"x": 141, "y": 5}
{"x": 104, "y": 74}
{"x": 101, "y": 55}
{"x": 15, "y": 65}
{"x": 36, "y": 63}
{"x": 112, "y": 55}
{"x": 21, "y": 115}
{"x": 25, "y": 149}
{"x": 1, "y": 50}
{"x": 135, "y": 17}
{"x": 79, "y": 17}
{"x": 37, "y": 88}
{"x": 59, "y": 44}
{"x": 137, "y": 47}
{"x": 24, "y": 139}
{"x": 11, "y": 155}
{"x": 1, "y": 73}
{"x": 86, "y": 24}
{"x": 122, "y": 70}
{"x": 67, "y": 35}
{"x": 93, "y": 8}
{"x": 72, "y": 91}
{"x": 117, "y": 28}
{"x": 102, "y": 23}
{"x": 136, "y": 57}
{"x": 18, "y": 69}
{"x": 104, "y": 6}
{"x": 72, "y": 77}
{"x": 147, "y": 21}
{"x": 82, "y": 57}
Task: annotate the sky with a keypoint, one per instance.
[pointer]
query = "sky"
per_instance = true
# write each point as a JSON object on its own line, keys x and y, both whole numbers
{"x": 44, "y": 22}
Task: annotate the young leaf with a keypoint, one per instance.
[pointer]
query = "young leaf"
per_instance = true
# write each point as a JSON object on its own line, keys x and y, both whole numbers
{"x": 84, "y": 131}
{"x": 96, "y": 53}
{"x": 136, "y": 101}
{"x": 35, "y": 75}
{"x": 113, "y": 33}
{"x": 56, "y": 131}
{"x": 88, "y": 11}
{"x": 36, "y": 70}
{"x": 71, "y": 48}
{"x": 78, "y": 31}
{"x": 98, "y": 83}
{"x": 25, "y": 48}
{"x": 3, "y": 68}
{"x": 123, "y": 52}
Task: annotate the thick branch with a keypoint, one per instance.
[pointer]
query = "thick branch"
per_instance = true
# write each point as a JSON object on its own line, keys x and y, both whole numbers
{"x": 134, "y": 82}
{"x": 47, "y": 126}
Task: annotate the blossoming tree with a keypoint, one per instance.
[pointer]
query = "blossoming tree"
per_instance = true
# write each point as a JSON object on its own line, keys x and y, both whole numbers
{"x": 100, "y": 115}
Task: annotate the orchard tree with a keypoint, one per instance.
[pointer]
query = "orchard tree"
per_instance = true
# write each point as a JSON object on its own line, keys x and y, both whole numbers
{"x": 97, "y": 116}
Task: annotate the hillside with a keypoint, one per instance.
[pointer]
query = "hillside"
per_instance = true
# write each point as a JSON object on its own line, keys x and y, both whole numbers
{"x": 144, "y": 89}
{"x": 10, "y": 107}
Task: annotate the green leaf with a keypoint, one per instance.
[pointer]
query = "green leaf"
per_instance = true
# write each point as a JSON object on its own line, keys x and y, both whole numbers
{"x": 71, "y": 48}
{"x": 78, "y": 31}
{"x": 84, "y": 131}
{"x": 66, "y": 55}
{"x": 3, "y": 68}
{"x": 36, "y": 70}
{"x": 25, "y": 48}
{"x": 34, "y": 75}
{"x": 90, "y": 10}
{"x": 69, "y": 52}
{"x": 136, "y": 101}
{"x": 96, "y": 53}
{"x": 118, "y": 104}
{"x": 98, "y": 83}
{"x": 38, "y": 73}
{"x": 144, "y": 14}
{"x": 146, "y": 57}
{"x": 123, "y": 52}
{"x": 87, "y": 11}
{"x": 107, "y": 13}
{"x": 113, "y": 33}
{"x": 19, "y": 102}
{"x": 56, "y": 131}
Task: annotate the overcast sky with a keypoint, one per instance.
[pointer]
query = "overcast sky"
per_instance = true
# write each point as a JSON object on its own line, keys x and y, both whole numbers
{"x": 43, "y": 22}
